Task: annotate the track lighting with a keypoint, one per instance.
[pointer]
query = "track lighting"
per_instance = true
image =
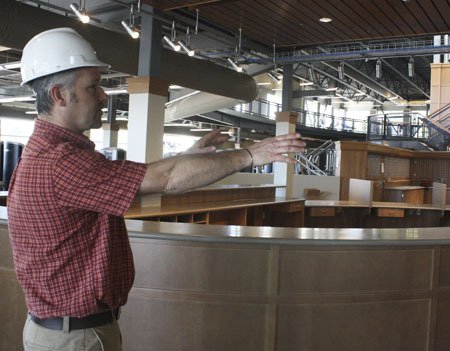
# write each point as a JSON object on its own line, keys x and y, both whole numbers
{"x": 274, "y": 77}
{"x": 81, "y": 14}
{"x": 411, "y": 67}
{"x": 130, "y": 27}
{"x": 130, "y": 30}
{"x": 174, "y": 46}
{"x": 186, "y": 49}
{"x": 234, "y": 65}
{"x": 378, "y": 71}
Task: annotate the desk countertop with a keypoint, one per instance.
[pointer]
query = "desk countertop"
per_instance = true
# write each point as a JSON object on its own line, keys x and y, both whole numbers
{"x": 289, "y": 236}
{"x": 173, "y": 210}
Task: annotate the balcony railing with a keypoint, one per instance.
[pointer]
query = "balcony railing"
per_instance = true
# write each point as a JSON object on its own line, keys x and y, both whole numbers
{"x": 268, "y": 109}
{"x": 411, "y": 126}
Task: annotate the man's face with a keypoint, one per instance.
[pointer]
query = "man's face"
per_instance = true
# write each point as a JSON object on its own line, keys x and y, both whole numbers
{"x": 86, "y": 100}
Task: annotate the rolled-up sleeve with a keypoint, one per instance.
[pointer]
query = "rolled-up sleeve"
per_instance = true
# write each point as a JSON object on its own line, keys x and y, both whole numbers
{"x": 85, "y": 179}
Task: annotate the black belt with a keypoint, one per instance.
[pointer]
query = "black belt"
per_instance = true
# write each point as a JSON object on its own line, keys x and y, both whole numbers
{"x": 91, "y": 321}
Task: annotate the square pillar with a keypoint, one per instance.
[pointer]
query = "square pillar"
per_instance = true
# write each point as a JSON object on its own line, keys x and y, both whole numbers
{"x": 284, "y": 173}
{"x": 148, "y": 96}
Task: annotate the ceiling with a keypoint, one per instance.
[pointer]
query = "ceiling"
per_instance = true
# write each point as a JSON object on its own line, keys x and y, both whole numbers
{"x": 295, "y": 23}
{"x": 264, "y": 35}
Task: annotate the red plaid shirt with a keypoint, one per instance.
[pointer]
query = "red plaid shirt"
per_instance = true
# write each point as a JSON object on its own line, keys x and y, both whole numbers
{"x": 65, "y": 206}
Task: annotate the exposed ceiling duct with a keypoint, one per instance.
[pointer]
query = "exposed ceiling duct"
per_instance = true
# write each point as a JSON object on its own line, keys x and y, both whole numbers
{"x": 19, "y": 23}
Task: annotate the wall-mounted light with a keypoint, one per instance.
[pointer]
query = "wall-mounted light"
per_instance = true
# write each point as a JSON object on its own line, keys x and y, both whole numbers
{"x": 378, "y": 69}
{"x": 174, "y": 46}
{"x": 235, "y": 66}
{"x": 411, "y": 67}
{"x": 80, "y": 13}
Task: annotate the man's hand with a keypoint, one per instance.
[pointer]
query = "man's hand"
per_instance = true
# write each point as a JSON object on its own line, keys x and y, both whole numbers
{"x": 208, "y": 143}
{"x": 275, "y": 149}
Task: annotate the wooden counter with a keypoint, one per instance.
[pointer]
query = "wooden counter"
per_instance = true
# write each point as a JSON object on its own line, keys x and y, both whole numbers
{"x": 251, "y": 205}
{"x": 241, "y": 288}
{"x": 408, "y": 194}
{"x": 352, "y": 214}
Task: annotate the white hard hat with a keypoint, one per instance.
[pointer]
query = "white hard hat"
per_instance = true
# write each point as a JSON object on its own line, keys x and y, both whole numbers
{"x": 54, "y": 51}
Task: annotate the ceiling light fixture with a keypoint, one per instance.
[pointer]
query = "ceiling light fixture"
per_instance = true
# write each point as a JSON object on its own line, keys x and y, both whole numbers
{"x": 174, "y": 46}
{"x": 171, "y": 41}
{"x": 360, "y": 94}
{"x": 411, "y": 67}
{"x": 378, "y": 69}
{"x": 304, "y": 84}
{"x": 186, "y": 49}
{"x": 263, "y": 83}
{"x": 331, "y": 89}
{"x": 130, "y": 27}
{"x": 234, "y": 65}
{"x": 130, "y": 30}
{"x": 80, "y": 13}
{"x": 325, "y": 19}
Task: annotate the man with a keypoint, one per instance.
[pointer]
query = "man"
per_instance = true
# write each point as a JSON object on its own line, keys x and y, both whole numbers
{"x": 67, "y": 201}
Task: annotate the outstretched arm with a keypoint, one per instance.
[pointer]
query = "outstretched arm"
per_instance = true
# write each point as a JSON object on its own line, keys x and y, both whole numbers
{"x": 208, "y": 143}
{"x": 185, "y": 172}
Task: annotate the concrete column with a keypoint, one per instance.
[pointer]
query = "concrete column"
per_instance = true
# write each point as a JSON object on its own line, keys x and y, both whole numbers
{"x": 146, "y": 118}
{"x": 148, "y": 95}
{"x": 283, "y": 172}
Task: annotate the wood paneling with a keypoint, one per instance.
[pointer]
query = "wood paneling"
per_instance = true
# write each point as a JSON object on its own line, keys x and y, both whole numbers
{"x": 341, "y": 271}
{"x": 295, "y": 23}
{"x": 376, "y": 326}
{"x": 150, "y": 323}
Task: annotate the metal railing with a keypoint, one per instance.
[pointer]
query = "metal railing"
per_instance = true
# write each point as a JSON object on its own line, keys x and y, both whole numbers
{"x": 268, "y": 109}
{"x": 410, "y": 126}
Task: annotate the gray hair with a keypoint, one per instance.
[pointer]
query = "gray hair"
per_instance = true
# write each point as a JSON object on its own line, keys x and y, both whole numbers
{"x": 42, "y": 87}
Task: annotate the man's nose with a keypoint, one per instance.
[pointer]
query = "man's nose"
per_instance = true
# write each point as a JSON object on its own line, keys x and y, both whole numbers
{"x": 103, "y": 97}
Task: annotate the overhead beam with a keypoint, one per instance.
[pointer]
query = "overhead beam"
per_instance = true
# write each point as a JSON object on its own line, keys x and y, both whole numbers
{"x": 20, "y": 22}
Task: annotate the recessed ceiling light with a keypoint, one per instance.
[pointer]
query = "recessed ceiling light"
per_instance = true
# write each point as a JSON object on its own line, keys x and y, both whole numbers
{"x": 325, "y": 19}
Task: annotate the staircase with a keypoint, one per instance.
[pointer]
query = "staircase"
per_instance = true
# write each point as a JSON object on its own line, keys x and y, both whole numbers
{"x": 412, "y": 130}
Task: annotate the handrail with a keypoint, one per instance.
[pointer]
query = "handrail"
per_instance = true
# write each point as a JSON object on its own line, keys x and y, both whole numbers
{"x": 411, "y": 126}
{"x": 267, "y": 109}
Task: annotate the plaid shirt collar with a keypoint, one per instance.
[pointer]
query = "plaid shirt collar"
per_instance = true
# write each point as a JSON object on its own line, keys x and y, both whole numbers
{"x": 46, "y": 130}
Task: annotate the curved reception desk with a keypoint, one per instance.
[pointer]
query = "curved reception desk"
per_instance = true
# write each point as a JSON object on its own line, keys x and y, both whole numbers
{"x": 246, "y": 288}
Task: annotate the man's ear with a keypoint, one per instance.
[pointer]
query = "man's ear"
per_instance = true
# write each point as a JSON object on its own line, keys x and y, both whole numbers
{"x": 58, "y": 95}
